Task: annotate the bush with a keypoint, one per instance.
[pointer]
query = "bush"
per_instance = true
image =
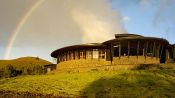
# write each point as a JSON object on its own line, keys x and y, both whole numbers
{"x": 11, "y": 71}
{"x": 147, "y": 66}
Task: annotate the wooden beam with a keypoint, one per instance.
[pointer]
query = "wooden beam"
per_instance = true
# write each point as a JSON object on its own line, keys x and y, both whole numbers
{"x": 143, "y": 51}
{"x": 128, "y": 49}
{"x": 161, "y": 51}
{"x": 138, "y": 45}
{"x": 79, "y": 54}
{"x": 146, "y": 51}
{"x": 111, "y": 55}
{"x": 91, "y": 54}
{"x": 85, "y": 53}
{"x": 119, "y": 50}
{"x": 65, "y": 55}
{"x": 158, "y": 51}
{"x": 174, "y": 53}
{"x": 74, "y": 54}
{"x": 153, "y": 50}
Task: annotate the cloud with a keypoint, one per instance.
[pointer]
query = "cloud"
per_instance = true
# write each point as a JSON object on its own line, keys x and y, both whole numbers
{"x": 58, "y": 23}
{"x": 70, "y": 22}
{"x": 126, "y": 19}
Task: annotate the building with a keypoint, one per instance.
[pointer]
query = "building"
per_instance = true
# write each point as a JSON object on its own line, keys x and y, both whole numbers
{"x": 124, "y": 49}
{"x": 170, "y": 54}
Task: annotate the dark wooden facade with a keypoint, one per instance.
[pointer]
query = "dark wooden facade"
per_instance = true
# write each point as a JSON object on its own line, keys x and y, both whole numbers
{"x": 84, "y": 51}
{"x": 171, "y": 53}
{"x": 135, "y": 45}
{"x": 123, "y": 45}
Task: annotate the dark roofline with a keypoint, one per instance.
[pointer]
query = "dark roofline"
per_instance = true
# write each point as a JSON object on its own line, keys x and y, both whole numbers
{"x": 81, "y": 46}
{"x": 160, "y": 40}
{"x": 127, "y": 35}
{"x": 171, "y": 46}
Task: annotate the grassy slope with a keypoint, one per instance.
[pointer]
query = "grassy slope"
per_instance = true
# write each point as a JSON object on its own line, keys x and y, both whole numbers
{"x": 23, "y": 62}
{"x": 126, "y": 83}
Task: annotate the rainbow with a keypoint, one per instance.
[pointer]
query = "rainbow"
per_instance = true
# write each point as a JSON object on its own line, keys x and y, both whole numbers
{"x": 19, "y": 26}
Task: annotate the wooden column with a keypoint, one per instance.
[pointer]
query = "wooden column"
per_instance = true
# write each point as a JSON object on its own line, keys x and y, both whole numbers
{"x": 173, "y": 52}
{"x": 146, "y": 51}
{"x": 99, "y": 53}
{"x": 167, "y": 54}
{"x": 143, "y": 51}
{"x": 78, "y": 54}
{"x": 153, "y": 50}
{"x": 158, "y": 50}
{"x": 105, "y": 53}
{"x": 128, "y": 49}
{"x": 85, "y": 53}
{"x": 74, "y": 55}
{"x": 111, "y": 55}
{"x": 161, "y": 51}
{"x": 92, "y": 54}
{"x": 119, "y": 50}
{"x": 138, "y": 45}
{"x": 66, "y": 55}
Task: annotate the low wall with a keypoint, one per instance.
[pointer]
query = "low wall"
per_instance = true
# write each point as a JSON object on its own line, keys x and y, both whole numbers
{"x": 135, "y": 60}
{"x": 101, "y": 64}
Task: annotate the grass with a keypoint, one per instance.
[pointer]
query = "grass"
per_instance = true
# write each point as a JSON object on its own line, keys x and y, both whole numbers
{"x": 119, "y": 83}
{"x": 24, "y": 62}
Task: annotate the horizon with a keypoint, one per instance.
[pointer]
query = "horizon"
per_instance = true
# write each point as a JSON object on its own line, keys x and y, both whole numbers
{"x": 36, "y": 28}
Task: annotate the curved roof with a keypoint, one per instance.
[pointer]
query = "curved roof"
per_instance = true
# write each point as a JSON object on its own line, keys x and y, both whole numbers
{"x": 133, "y": 37}
{"x": 127, "y": 35}
{"x": 81, "y": 46}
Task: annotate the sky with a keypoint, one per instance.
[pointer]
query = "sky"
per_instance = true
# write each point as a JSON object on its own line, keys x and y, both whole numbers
{"x": 38, "y": 27}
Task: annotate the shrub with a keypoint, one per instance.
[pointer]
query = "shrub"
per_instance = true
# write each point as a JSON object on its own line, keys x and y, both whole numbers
{"x": 94, "y": 69}
{"x": 147, "y": 66}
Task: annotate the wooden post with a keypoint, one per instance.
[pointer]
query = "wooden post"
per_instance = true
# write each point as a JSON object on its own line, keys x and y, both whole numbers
{"x": 143, "y": 51}
{"x": 167, "y": 54}
{"x": 74, "y": 54}
{"x": 111, "y": 56}
{"x": 91, "y": 54}
{"x": 146, "y": 50}
{"x": 119, "y": 50}
{"x": 105, "y": 53}
{"x": 174, "y": 52}
{"x": 138, "y": 45}
{"x": 99, "y": 51}
{"x": 79, "y": 54}
{"x": 85, "y": 53}
{"x": 65, "y": 55}
{"x": 153, "y": 50}
{"x": 161, "y": 51}
{"x": 158, "y": 50}
{"x": 128, "y": 49}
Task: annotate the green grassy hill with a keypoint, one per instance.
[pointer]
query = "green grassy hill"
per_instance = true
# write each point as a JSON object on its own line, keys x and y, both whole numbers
{"x": 22, "y": 66}
{"x": 24, "y": 61}
{"x": 154, "y": 82}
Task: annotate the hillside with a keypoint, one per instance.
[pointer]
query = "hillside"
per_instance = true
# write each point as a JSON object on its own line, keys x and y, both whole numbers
{"x": 22, "y": 66}
{"x": 154, "y": 82}
{"x": 24, "y": 61}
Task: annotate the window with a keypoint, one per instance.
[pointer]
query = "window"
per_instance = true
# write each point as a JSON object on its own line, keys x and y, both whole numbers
{"x": 102, "y": 54}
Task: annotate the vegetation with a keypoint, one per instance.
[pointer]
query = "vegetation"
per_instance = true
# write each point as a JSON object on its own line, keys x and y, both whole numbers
{"x": 25, "y": 66}
{"x": 157, "y": 81}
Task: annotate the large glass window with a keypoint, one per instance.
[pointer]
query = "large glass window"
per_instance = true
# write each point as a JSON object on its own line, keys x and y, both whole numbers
{"x": 81, "y": 54}
{"x": 102, "y": 54}
{"x": 89, "y": 54}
